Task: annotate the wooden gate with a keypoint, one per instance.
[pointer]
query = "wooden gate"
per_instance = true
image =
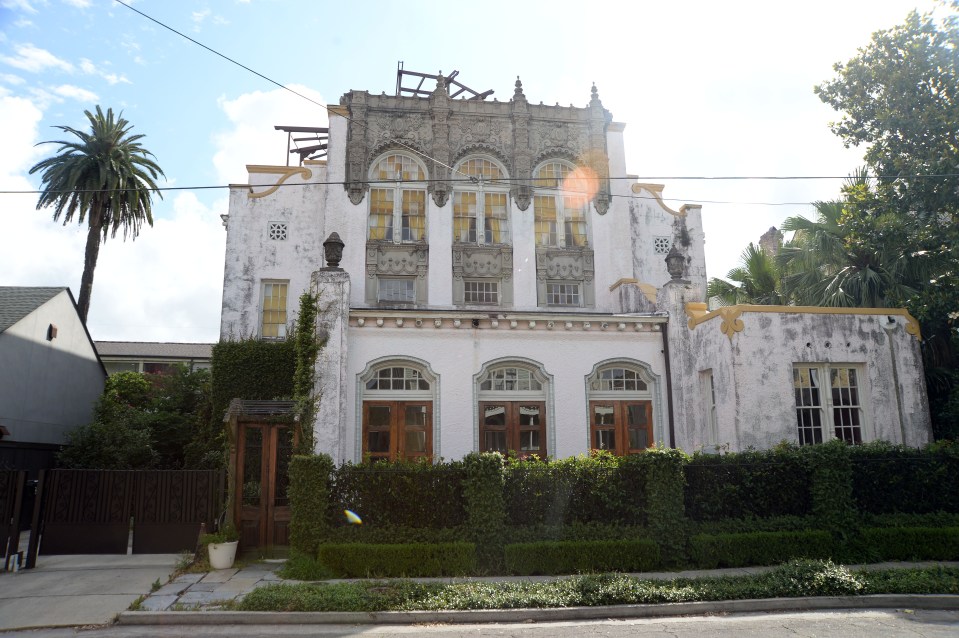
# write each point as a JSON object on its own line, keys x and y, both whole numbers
{"x": 91, "y": 511}
{"x": 263, "y": 445}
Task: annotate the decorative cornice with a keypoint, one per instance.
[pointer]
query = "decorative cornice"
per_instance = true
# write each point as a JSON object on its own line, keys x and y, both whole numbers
{"x": 657, "y": 191}
{"x": 285, "y": 173}
{"x": 535, "y": 321}
{"x": 731, "y": 322}
{"x": 342, "y": 111}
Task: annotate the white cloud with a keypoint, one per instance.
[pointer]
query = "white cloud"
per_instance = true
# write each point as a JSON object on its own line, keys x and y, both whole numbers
{"x": 199, "y": 17}
{"x": 252, "y": 139}
{"x": 79, "y": 4}
{"x": 35, "y": 59}
{"x": 23, "y": 5}
{"x": 9, "y": 78}
{"x": 90, "y": 68}
{"x": 75, "y": 92}
{"x": 87, "y": 66}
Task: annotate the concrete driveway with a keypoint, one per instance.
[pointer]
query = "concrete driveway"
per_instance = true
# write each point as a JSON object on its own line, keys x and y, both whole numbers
{"x": 79, "y": 590}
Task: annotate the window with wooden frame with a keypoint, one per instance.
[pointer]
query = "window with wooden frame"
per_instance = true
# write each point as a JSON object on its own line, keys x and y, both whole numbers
{"x": 397, "y": 200}
{"x": 512, "y": 412}
{"x": 620, "y": 411}
{"x": 828, "y": 403}
{"x": 397, "y": 414}
{"x": 273, "y": 315}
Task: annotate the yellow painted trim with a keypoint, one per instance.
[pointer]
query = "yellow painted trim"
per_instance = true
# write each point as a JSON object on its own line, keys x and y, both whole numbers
{"x": 338, "y": 110}
{"x": 314, "y": 162}
{"x": 648, "y": 290}
{"x": 657, "y": 191}
{"x": 285, "y": 173}
{"x": 731, "y": 313}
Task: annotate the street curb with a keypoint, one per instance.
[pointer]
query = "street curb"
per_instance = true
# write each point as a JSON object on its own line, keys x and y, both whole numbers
{"x": 876, "y": 601}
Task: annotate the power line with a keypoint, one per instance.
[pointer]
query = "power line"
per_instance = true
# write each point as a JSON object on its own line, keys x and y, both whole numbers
{"x": 282, "y": 86}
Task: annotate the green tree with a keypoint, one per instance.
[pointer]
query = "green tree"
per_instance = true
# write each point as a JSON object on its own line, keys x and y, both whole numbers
{"x": 899, "y": 97}
{"x": 104, "y": 177}
{"x": 756, "y": 280}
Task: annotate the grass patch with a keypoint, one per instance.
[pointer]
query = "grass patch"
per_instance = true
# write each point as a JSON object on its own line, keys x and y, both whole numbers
{"x": 796, "y": 578}
{"x": 299, "y": 566}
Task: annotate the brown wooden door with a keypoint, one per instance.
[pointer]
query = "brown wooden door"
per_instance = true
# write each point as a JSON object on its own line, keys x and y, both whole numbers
{"x": 513, "y": 426}
{"x": 262, "y": 479}
{"x": 397, "y": 430}
{"x": 621, "y": 427}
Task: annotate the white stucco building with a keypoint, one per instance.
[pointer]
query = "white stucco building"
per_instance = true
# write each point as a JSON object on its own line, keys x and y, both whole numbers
{"x": 504, "y": 286}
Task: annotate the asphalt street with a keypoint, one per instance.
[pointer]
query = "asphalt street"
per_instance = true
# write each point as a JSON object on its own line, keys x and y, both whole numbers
{"x": 822, "y": 624}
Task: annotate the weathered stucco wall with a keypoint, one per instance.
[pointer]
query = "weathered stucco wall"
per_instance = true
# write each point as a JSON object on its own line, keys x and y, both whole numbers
{"x": 754, "y": 380}
{"x": 48, "y": 387}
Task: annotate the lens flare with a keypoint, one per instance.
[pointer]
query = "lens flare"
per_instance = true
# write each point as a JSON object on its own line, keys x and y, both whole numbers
{"x": 352, "y": 518}
{"x": 580, "y": 186}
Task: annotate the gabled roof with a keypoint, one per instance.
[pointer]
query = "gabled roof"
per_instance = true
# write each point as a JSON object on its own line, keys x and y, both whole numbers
{"x": 16, "y": 302}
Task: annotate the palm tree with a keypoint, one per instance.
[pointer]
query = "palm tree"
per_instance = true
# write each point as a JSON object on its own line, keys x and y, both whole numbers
{"x": 104, "y": 177}
{"x": 758, "y": 278}
{"x": 847, "y": 260}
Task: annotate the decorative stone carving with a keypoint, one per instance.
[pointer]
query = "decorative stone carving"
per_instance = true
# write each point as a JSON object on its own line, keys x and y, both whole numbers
{"x": 483, "y": 262}
{"x": 440, "y": 188}
{"x": 522, "y": 191}
{"x": 573, "y": 265}
{"x": 385, "y": 259}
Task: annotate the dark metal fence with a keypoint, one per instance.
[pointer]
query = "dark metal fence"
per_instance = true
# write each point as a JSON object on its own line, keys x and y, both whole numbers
{"x": 12, "y": 484}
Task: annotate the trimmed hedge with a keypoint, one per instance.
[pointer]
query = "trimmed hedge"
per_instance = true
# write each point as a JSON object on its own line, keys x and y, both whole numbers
{"x": 913, "y": 543}
{"x": 571, "y": 557}
{"x": 309, "y": 495}
{"x": 758, "y": 548}
{"x": 251, "y": 369}
{"x": 358, "y": 560}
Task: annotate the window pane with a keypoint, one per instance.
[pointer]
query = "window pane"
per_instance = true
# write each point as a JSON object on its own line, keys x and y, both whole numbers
{"x": 544, "y": 215}
{"x": 416, "y": 416}
{"x": 605, "y": 440}
{"x": 481, "y": 292}
{"x": 378, "y": 442}
{"x": 464, "y": 217}
{"x": 497, "y": 231}
{"x": 414, "y": 215}
{"x": 495, "y": 441}
{"x": 603, "y": 415}
{"x": 273, "y": 324}
{"x": 529, "y": 441}
{"x": 396, "y": 290}
{"x": 397, "y": 167}
{"x": 529, "y": 415}
{"x": 252, "y": 458}
{"x": 379, "y": 416}
{"x": 636, "y": 416}
{"x": 416, "y": 442}
{"x": 562, "y": 294}
{"x": 381, "y": 213}
{"x": 638, "y": 439}
{"x": 495, "y": 416}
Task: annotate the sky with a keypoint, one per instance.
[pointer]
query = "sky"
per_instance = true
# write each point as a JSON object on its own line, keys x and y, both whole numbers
{"x": 705, "y": 89}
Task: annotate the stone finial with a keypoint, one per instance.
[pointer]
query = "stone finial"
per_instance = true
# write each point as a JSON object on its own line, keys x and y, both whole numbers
{"x": 333, "y": 249}
{"x": 518, "y": 92}
{"x": 594, "y": 97}
{"x": 440, "y": 83}
{"x": 675, "y": 263}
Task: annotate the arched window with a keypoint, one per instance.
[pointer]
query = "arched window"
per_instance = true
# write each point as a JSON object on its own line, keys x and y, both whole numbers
{"x": 397, "y": 200}
{"x": 620, "y": 409}
{"x": 512, "y": 410}
{"x": 397, "y": 398}
{"x": 480, "y": 206}
{"x": 559, "y": 211}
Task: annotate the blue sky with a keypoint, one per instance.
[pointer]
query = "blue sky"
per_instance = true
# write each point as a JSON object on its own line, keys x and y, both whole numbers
{"x": 705, "y": 89}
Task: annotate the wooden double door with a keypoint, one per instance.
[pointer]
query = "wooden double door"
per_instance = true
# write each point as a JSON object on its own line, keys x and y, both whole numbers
{"x": 513, "y": 426}
{"x": 261, "y": 505}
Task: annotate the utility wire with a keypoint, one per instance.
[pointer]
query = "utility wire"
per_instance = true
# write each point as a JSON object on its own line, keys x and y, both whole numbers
{"x": 282, "y": 86}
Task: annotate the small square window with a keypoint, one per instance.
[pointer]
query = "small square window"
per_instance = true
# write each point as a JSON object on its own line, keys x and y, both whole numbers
{"x": 396, "y": 290}
{"x": 277, "y": 231}
{"x": 562, "y": 294}
{"x": 481, "y": 292}
{"x": 661, "y": 245}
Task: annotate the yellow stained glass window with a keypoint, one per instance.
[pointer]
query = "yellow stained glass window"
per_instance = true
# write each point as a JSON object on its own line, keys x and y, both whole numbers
{"x": 381, "y": 213}
{"x": 496, "y": 227}
{"x": 464, "y": 216}
{"x": 274, "y": 310}
{"x": 544, "y": 215}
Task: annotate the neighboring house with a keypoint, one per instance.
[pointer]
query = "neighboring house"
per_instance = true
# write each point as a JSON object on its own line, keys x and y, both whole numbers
{"x": 153, "y": 357}
{"x": 506, "y": 285}
{"x": 50, "y": 374}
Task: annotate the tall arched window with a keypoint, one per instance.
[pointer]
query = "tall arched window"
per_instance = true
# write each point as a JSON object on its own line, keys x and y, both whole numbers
{"x": 397, "y": 200}
{"x": 620, "y": 409}
{"x": 512, "y": 409}
{"x": 482, "y": 255}
{"x": 480, "y": 206}
{"x": 397, "y": 255}
{"x": 397, "y": 405}
{"x": 559, "y": 211}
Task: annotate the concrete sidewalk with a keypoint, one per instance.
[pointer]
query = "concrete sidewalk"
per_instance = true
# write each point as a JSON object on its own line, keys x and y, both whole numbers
{"x": 79, "y": 590}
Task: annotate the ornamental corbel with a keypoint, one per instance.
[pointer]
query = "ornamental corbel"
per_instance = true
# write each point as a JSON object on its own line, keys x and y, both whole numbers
{"x": 731, "y": 323}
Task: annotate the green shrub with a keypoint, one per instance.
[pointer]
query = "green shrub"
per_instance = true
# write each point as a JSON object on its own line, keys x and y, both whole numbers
{"x": 665, "y": 506}
{"x": 812, "y": 578}
{"x": 913, "y": 543}
{"x": 303, "y": 567}
{"x": 758, "y": 548}
{"x": 251, "y": 369}
{"x": 485, "y": 506}
{"x": 389, "y": 561}
{"x": 570, "y": 557}
{"x": 309, "y": 495}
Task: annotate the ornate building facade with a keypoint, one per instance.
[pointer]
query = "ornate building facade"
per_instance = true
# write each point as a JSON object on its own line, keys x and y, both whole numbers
{"x": 504, "y": 285}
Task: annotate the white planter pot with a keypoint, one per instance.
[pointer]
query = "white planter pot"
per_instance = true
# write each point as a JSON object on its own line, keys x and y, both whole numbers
{"x": 222, "y": 554}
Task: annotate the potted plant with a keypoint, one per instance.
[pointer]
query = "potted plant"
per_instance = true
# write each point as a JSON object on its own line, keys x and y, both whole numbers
{"x": 221, "y": 546}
